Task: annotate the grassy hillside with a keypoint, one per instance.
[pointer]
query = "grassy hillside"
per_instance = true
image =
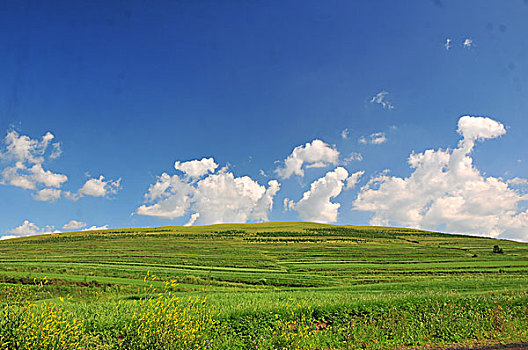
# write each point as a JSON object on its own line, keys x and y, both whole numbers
{"x": 247, "y": 270}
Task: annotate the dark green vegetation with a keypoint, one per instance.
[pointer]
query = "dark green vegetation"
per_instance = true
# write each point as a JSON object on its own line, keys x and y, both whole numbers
{"x": 273, "y": 285}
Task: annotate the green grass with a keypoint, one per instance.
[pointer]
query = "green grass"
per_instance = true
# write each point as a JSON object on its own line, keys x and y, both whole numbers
{"x": 349, "y": 286}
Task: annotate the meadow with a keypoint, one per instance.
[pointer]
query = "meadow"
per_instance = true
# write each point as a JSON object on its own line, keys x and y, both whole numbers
{"x": 261, "y": 286}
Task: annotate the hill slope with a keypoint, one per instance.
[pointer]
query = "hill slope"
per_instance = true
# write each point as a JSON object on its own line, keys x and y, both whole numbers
{"x": 282, "y": 254}
{"x": 261, "y": 286}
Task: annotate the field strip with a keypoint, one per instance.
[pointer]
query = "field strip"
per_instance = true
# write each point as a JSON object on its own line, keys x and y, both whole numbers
{"x": 145, "y": 267}
{"x": 415, "y": 266}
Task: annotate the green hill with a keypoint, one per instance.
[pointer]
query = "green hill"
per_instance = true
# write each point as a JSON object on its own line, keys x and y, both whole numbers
{"x": 248, "y": 268}
{"x": 262, "y": 256}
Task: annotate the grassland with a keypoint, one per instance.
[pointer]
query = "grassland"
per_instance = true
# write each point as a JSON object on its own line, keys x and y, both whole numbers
{"x": 261, "y": 286}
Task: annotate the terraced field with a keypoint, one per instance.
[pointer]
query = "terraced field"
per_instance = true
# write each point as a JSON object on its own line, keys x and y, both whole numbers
{"x": 248, "y": 270}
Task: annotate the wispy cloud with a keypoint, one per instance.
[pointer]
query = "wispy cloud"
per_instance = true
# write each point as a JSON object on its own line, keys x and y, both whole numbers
{"x": 447, "y": 44}
{"x": 354, "y": 156}
{"x": 353, "y": 179}
{"x": 382, "y": 99}
{"x": 376, "y": 138}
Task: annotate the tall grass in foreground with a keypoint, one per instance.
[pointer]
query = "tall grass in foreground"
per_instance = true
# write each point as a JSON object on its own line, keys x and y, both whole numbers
{"x": 163, "y": 320}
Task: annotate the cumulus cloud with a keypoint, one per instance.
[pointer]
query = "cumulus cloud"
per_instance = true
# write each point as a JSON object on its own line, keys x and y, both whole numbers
{"x": 446, "y": 191}
{"x": 218, "y": 197}
{"x": 376, "y": 138}
{"x": 315, "y": 154}
{"x": 170, "y": 197}
{"x": 100, "y": 187}
{"x": 344, "y": 134}
{"x": 196, "y": 168}
{"x": 381, "y": 99}
{"x": 48, "y": 195}
{"x": 29, "y": 229}
{"x": 479, "y": 128}
{"x": 74, "y": 225}
{"x": 24, "y": 157}
{"x": 316, "y": 204}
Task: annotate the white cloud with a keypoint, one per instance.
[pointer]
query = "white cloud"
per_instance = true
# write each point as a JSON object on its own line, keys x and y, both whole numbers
{"x": 96, "y": 228}
{"x": 26, "y": 229}
{"x": 517, "y": 181}
{"x": 29, "y": 229}
{"x": 344, "y": 134}
{"x": 100, "y": 187}
{"x": 24, "y": 149}
{"x": 171, "y": 196}
{"x": 7, "y": 237}
{"x": 25, "y": 157}
{"x": 217, "y": 198}
{"x": 192, "y": 219}
{"x": 288, "y": 204}
{"x": 354, "y": 156}
{"x": 48, "y": 195}
{"x": 46, "y": 177}
{"x": 468, "y": 43}
{"x": 376, "y": 138}
{"x": 57, "y": 151}
{"x": 353, "y": 179}
{"x": 316, "y": 154}
{"x": 196, "y": 168}
{"x": 479, "y": 128}
{"x": 447, "y": 44}
{"x": 381, "y": 99}
{"x": 74, "y": 225}
{"x": 446, "y": 191}
{"x": 316, "y": 205}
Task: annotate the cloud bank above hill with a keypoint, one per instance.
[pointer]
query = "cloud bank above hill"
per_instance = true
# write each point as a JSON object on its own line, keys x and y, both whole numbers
{"x": 209, "y": 197}
{"x": 446, "y": 191}
{"x": 28, "y": 228}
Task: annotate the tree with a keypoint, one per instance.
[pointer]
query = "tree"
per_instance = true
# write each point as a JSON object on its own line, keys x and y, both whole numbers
{"x": 497, "y": 249}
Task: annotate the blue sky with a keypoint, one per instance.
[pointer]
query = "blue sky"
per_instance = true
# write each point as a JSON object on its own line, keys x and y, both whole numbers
{"x": 128, "y": 88}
